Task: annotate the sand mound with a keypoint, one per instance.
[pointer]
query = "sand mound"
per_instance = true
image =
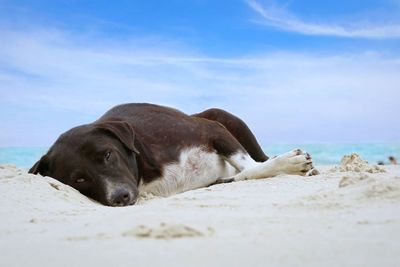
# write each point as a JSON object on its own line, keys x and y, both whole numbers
{"x": 355, "y": 183}
{"x": 355, "y": 163}
{"x": 361, "y": 183}
{"x": 45, "y": 192}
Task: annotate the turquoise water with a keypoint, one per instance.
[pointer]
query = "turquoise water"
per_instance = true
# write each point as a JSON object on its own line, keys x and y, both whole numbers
{"x": 23, "y": 157}
{"x": 323, "y": 154}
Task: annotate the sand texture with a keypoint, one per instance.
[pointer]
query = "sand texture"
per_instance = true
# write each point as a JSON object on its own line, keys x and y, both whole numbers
{"x": 349, "y": 215}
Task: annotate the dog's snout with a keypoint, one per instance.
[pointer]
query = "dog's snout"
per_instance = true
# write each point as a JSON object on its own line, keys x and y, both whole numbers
{"x": 121, "y": 197}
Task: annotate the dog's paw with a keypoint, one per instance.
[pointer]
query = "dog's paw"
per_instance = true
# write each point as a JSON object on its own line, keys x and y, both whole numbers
{"x": 295, "y": 162}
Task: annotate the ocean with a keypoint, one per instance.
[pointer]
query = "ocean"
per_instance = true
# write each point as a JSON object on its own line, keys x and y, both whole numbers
{"x": 322, "y": 154}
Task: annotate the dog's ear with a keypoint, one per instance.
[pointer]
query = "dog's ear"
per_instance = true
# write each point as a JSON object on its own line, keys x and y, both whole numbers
{"x": 41, "y": 166}
{"x": 122, "y": 131}
{"x": 147, "y": 163}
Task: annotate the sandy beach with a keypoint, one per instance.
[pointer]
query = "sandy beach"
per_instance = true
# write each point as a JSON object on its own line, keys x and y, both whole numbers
{"x": 349, "y": 215}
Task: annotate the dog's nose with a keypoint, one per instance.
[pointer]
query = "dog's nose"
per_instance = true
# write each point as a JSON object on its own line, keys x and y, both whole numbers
{"x": 121, "y": 197}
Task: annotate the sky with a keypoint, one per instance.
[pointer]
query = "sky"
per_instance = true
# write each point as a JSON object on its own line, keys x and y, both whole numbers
{"x": 296, "y": 71}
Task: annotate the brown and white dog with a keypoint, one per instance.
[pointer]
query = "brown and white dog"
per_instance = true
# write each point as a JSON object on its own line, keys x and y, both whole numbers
{"x": 145, "y": 148}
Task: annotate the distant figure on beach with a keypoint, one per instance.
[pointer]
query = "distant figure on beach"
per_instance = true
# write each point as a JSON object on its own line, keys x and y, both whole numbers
{"x": 393, "y": 160}
{"x": 381, "y": 162}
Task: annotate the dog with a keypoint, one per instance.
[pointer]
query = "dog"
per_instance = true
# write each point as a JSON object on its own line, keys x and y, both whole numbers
{"x": 145, "y": 148}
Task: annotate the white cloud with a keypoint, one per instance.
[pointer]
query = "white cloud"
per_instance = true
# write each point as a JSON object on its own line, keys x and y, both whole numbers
{"x": 281, "y": 18}
{"x": 51, "y": 81}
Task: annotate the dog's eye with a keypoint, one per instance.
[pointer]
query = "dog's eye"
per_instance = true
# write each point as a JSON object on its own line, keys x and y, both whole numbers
{"x": 80, "y": 180}
{"x": 108, "y": 155}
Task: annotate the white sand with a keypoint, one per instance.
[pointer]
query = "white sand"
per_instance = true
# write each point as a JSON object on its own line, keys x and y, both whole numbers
{"x": 349, "y": 215}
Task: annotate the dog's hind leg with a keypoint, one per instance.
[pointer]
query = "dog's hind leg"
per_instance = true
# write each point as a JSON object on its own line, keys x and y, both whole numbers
{"x": 232, "y": 151}
{"x": 238, "y": 129}
{"x": 294, "y": 162}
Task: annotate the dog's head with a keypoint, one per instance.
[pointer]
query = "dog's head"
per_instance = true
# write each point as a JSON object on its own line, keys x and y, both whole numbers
{"x": 99, "y": 160}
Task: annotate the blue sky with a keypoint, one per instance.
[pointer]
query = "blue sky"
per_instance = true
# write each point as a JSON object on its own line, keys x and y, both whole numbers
{"x": 296, "y": 71}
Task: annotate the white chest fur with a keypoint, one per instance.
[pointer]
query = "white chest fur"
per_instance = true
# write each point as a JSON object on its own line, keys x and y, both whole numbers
{"x": 196, "y": 168}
